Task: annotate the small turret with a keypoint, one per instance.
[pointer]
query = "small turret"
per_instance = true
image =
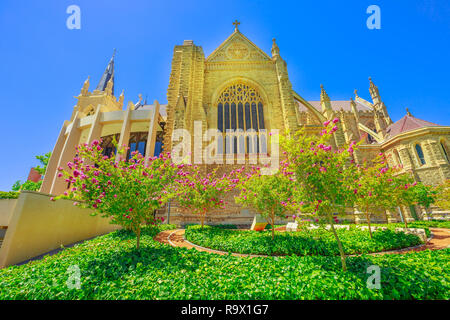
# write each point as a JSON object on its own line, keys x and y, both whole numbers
{"x": 374, "y": 93}
{"x": 325, "y": 102}
{"x": 85, "y": 89}
{"x": 121, "y": 98}
{"x": 275, "y": 49}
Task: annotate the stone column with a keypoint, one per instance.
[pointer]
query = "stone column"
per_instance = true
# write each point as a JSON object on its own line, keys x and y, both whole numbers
{"x": 125, "y": 132}
{"x": 151, "y": 139}
{"x": 67, "y": 154}
{"x": 52, "y": 165}
{"x": 96, "y": 128}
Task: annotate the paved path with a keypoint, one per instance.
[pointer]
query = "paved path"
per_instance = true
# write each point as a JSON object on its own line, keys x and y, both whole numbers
{"x": 175, "y": 238}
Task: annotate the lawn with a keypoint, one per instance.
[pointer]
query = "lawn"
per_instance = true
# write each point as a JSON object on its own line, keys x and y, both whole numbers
{"x": 303, "y": 243}
{"x": 111, "y": 268}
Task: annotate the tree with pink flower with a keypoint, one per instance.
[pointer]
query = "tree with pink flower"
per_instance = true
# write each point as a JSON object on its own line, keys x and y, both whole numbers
{"x": 127, "y": 192}
{"x": 376, "y": 184}
{"x": 325, "y": 177}
{"x": 269, "y": 195}
{"x": 404, "y": 192}
{"x": 199, "y": 191}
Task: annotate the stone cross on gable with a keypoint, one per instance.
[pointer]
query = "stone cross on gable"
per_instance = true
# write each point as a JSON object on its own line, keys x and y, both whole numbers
{"x": 236, "y": 24}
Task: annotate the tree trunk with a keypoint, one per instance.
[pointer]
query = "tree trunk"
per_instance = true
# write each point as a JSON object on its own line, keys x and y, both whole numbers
{"x": 138, "y": 237}
{"x": 368, "y": 221}
{"x": 273, "y": 226}
{"x": 341, "y": 250}
{"x": 203, "y": 215}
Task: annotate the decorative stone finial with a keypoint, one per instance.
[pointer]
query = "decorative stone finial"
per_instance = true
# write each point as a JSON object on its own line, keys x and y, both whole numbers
{"x": 85, "y": 88}
{"x": 109, "y": 87}
{"x": 356, "y": 93}
{"x": 374, "y": 93}
{"x": 275, "y": 49}
{"x": 236, "y": 24}
{"x": 323, "y": 94}
{"x": 121, "y": 98}
{"x": 408, "y": 113}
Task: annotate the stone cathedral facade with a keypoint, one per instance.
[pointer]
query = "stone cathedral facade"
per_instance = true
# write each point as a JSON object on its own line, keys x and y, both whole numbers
{"x": 239, "y": 87}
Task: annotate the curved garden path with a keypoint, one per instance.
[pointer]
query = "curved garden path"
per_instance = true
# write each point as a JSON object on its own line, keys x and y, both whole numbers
{"x": 175, "y": 238}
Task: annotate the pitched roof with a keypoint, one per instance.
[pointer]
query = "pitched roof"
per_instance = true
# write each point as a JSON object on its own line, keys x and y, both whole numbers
{"x": 407, "y": 123}
{"x": 336, "y": 105}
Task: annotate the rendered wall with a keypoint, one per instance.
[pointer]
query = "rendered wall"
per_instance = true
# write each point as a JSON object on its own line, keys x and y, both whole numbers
{"x": 6, "y": 209}
{"x": 39, "y": 225}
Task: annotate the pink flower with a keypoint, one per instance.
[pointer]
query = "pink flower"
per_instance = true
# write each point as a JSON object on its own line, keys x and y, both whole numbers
{"x": 335, "y": 120}
{"x": 326, "y": 123}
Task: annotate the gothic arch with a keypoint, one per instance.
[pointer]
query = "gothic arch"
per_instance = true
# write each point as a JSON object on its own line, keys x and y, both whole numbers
{"x": 246, "y": 81}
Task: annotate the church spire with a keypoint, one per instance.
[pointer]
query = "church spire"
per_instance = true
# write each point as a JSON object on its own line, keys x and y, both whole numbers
{"x": 107, "y": 76}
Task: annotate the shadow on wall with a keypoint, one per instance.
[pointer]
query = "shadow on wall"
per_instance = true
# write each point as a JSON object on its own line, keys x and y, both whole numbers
{"x": 36, "y": 225}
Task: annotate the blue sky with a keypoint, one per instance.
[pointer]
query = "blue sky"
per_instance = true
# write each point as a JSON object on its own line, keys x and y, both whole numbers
{"x": 43, "y": 64}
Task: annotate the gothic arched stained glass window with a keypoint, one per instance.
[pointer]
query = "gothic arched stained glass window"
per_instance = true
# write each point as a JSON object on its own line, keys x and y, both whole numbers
{"x": 240, "y": 107}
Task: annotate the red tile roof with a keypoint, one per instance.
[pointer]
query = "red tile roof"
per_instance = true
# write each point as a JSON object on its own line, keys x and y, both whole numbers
{"x": 407, "y": 123}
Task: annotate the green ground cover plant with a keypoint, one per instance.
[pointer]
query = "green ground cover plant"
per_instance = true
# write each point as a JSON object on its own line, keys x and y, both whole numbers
{"x": 111, "y": 268}
{"x": 9, "y": 194}
{"x": 303, "y": 243}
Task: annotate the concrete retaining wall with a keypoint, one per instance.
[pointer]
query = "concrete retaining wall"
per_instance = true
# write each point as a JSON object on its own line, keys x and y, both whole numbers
{"x": 38, "y": 225}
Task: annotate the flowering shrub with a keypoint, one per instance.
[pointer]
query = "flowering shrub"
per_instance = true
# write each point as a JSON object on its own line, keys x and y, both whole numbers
{"x": 199, "y": 191}
{"x": 376, "y": 184}
{"x": 443, "y": 195}
{"x": 403, "y": 192}
{"x": 270, "y": 195}
{"x": 325, "y": 178}
{"x": 425, "y": 196}
{"x": 126, "y": 191}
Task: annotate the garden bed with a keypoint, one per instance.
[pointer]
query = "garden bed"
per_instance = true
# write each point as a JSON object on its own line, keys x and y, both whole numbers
{"x": 302, "y": 243}
{"x": 111, "y": 268}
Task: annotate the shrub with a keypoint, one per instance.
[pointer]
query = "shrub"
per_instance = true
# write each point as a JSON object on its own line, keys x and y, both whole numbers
{"x": 311, "y": 242}
{"x": 111, "y": 268}
{"x": 126, "y": 191}
{"x": 9, "y": 195}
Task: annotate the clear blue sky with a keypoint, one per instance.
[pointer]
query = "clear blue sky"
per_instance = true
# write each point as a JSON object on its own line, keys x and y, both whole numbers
{"x": 43, "y": 64}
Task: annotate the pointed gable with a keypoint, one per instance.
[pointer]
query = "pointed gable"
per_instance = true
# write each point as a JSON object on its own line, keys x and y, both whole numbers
{"x": 237, "y": 47}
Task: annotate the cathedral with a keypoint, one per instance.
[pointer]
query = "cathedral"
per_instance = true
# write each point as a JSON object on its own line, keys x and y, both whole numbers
{"x": 243, "y": 93}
